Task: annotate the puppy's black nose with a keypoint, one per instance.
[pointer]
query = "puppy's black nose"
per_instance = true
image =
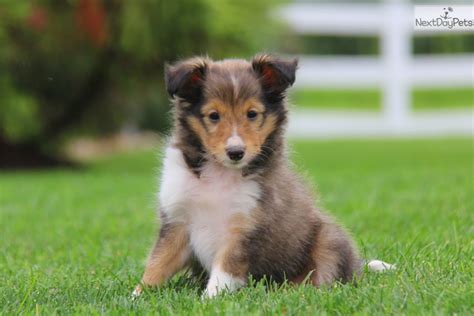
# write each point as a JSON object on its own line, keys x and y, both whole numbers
{"x": 235, "y": 153}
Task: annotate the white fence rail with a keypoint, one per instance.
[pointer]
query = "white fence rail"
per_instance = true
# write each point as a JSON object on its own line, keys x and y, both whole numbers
{"x": 395, "y": 71}
{"x": 366, "y": 72}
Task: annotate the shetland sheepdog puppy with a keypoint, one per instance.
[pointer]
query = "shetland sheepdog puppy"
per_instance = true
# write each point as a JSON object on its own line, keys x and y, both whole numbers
{"x": 229, "y": 202}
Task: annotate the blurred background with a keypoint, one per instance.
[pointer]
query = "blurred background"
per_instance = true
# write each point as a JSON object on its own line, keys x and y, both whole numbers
{"x": 84, "y": 77}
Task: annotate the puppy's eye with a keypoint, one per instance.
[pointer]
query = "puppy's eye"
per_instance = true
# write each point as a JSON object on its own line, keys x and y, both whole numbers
{"x": 214, "y": 116}
{"x": 251, "y": 114}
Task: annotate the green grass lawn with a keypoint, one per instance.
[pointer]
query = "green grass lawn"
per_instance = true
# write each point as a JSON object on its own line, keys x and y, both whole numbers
{"x": 371, "y": 100}
{"x": 75, "y": 241}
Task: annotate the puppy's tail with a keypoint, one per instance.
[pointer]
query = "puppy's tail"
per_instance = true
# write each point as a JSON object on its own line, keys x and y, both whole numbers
{"x": 379, "y": 266}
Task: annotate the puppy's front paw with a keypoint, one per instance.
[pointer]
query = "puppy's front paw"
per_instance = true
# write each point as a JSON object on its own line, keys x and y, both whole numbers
{"x": 210, "y": 292}
{"x": 137, "y": 292}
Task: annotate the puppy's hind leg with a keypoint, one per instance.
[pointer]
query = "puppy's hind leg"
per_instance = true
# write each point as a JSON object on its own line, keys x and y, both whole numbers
{"x": 333, "y": 256}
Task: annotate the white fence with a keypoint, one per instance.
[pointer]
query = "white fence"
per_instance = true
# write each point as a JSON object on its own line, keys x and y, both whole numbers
{"x": 395, "y": 71}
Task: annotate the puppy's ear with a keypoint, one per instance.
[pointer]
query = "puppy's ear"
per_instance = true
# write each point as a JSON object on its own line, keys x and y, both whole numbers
{"x": 275, "y": 75}
{"x": 185, "y": 79}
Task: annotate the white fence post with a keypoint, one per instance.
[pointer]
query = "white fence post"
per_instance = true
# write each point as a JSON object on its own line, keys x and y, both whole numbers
{"x": 396, "y": 56}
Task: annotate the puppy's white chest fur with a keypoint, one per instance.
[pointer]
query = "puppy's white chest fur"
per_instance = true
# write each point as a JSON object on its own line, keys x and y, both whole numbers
{"x": 206, "y": 204}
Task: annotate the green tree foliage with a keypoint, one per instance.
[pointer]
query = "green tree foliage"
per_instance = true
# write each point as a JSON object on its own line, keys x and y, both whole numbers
{"x": 91, "y": 66}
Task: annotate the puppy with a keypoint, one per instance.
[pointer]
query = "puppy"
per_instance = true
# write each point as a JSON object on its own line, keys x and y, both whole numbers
{"x": 229, "y": 200}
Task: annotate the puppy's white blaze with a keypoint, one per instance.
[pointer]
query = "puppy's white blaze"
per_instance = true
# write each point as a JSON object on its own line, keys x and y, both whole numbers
{"x": 222, "y": 281}
{"x": 235, "y": 139}
{"x": 235, "y": 84}
{"x": 379, "y": 266}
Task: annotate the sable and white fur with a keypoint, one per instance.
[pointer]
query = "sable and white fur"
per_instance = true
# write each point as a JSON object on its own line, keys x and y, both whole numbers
{"x": 239, "y": 216}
